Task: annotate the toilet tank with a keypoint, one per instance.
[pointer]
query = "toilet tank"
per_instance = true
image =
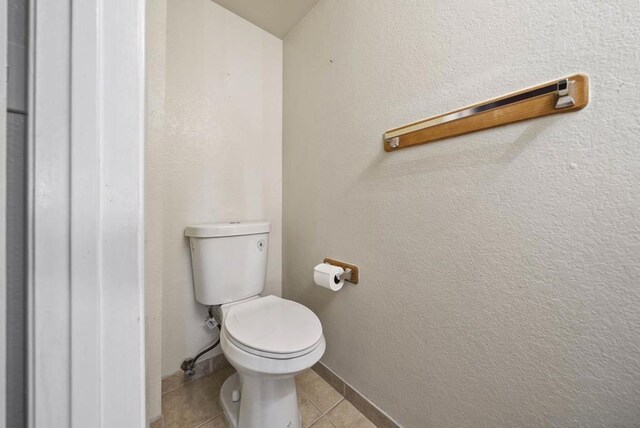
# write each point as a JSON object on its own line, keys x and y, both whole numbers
{"x": 228, "y": 260}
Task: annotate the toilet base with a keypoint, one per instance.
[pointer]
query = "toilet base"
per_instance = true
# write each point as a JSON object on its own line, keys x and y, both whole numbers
{"x": 276, "y": 413}
{"x": 230, "y": 408}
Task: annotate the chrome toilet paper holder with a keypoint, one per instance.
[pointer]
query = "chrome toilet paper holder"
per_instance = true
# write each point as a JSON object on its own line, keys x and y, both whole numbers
{"x": 346, "y": 275}
{"x": 351, "y": 272}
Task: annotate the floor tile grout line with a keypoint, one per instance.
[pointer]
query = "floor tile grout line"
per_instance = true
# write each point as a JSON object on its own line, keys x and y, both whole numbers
{"x": 185, "y": 383}
{"x": 316, "y": 420}
{"x": 191, "y": 379}
{"x": 175, "y": 389}
{"x": 209, "y": 420}
{"x": 318, "y": 408}
{"x": 307, "y": 397}
{"x": 334, "y": 406}
{"x": 312, "y": 403}
{"x": 326, "y": 419}
{"x": 188, "y": 383}
{"x": 342, "y": 397}
{"x": 345, "y": 385}
{"x": 323, "y": 415}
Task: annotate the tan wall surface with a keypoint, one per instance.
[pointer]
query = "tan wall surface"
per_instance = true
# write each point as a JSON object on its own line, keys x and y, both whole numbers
{"x": 214, "y": 153}
{"x": 500, "y": 271}
{"x": 222, "y": 153}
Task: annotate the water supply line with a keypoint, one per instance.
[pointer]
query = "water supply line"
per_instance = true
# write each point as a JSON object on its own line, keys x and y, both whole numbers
{"x": 189, "y": 364}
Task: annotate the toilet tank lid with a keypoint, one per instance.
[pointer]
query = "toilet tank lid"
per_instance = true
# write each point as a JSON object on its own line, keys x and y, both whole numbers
{"x": 232, "y": 228}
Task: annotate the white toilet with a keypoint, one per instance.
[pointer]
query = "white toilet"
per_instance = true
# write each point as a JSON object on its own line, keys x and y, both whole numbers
{"x": 267, "y": 339}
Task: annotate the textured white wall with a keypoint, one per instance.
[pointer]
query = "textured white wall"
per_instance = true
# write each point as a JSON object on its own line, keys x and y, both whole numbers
{"x": 500, "y": 270}
{"x": 222, "y": 152}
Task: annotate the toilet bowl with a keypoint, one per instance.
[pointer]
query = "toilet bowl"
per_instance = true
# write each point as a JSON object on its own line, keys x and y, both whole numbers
{"x": 269, "y": 341}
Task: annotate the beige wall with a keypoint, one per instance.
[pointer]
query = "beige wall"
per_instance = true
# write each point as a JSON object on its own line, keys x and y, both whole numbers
{"x": 214, "y": 154}
{"x": 156, "y": 29}
{"x": 222, "y": 153}
{"x": 499, "y": 270}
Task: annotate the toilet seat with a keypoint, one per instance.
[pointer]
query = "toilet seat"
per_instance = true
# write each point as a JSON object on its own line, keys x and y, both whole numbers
{"x": 273, "y": 327}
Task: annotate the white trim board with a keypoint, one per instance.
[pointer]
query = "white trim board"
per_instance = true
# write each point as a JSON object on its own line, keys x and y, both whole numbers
{"x": 86, "y": 347}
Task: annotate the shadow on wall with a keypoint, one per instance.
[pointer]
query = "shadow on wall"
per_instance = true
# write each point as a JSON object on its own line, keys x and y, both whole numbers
{"x": 464, "y": 155}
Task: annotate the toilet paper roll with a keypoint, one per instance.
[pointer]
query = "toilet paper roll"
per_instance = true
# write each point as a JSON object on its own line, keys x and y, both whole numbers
{"x": 328, "y": 276}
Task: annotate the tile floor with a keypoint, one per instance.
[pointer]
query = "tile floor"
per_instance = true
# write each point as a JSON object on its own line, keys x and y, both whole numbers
{"x": 193, "y": 402}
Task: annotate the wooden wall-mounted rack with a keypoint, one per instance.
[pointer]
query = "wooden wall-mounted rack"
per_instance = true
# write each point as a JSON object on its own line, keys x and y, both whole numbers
{"x": 559, "y": 96}
{"x": 353, "y": 271}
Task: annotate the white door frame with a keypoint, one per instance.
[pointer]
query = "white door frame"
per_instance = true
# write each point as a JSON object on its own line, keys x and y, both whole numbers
{"x": 86, "y": 285}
